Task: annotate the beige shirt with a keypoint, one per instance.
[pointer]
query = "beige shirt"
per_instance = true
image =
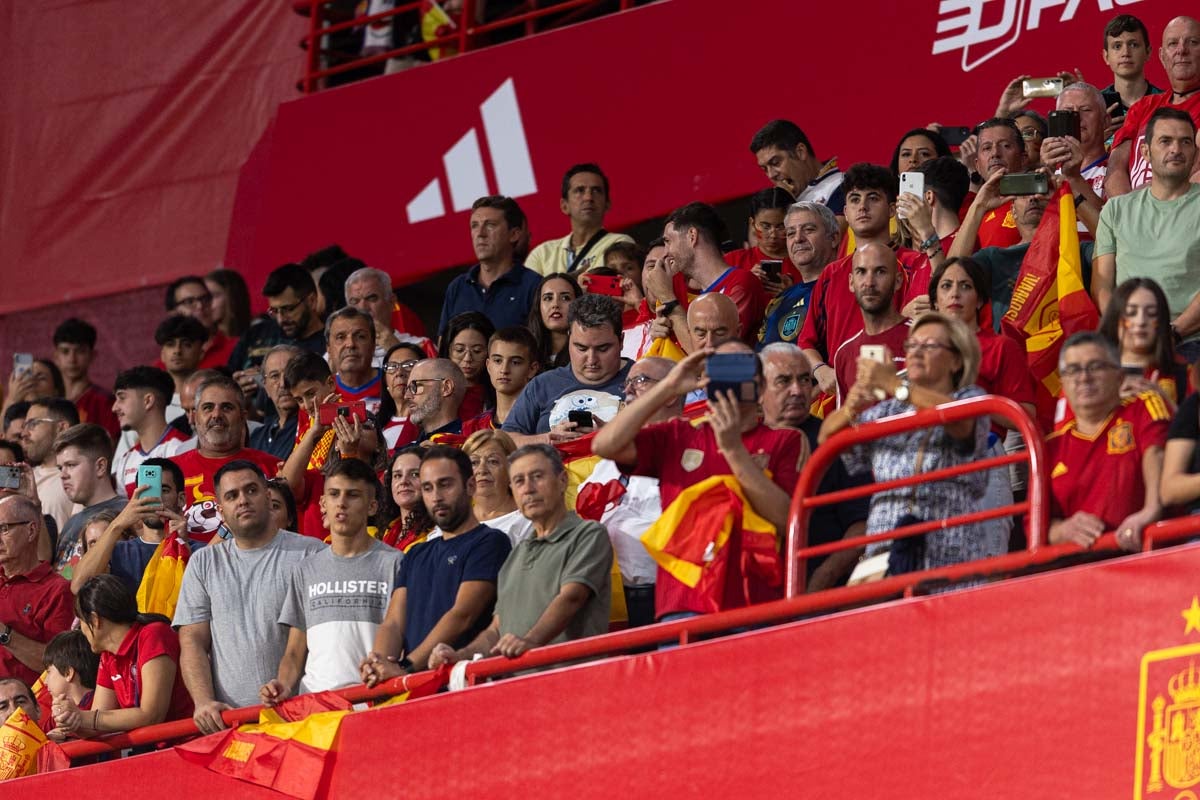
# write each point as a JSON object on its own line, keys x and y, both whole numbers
{"x": 556, "y": 256}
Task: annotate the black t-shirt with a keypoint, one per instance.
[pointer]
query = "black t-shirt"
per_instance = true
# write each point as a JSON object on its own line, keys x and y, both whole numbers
{"x": 1186, "y": 425}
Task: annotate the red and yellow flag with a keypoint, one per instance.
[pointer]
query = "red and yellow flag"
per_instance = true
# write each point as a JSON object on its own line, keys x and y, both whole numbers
{"x": 159, "y": 590}
{"x": 1049, "y": 301}
{"x": 20, "y": 741}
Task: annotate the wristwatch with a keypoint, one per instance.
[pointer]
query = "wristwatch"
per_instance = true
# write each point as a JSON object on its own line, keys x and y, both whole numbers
{"x": 902, "y": 391}
{"x": 666, "y": 308}
{"x": 6, "y": 636}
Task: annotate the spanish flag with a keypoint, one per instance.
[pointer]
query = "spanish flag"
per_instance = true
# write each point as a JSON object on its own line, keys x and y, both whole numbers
{"x": 25, "y": 750}
{"x": 710, "y": 538}
{"x": 1049, "y": 301}
{"x": 159, "y": 590}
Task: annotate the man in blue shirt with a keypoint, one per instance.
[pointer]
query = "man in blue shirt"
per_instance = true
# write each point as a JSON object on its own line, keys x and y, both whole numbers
{"x": 497, "y": 286}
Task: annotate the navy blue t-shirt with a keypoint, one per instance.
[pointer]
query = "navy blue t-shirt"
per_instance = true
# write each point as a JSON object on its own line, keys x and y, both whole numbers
{"x": 129, "y": 560}
{"x": 432, "y": 571}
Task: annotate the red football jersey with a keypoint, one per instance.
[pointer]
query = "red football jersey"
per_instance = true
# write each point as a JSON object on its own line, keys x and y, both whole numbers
{"x": 199, "y": 501}
{"x": 1134, "y": 130}
{"x": 998, "y": 228}
{"x": 1102, "y": 474}
{"x": 845, "y": 358}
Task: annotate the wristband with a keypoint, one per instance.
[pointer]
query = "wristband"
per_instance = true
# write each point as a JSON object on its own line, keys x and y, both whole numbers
{"x": 668, "y": 307}
{"x": 932, "y": 241}
{"x": 1079, "y": 200}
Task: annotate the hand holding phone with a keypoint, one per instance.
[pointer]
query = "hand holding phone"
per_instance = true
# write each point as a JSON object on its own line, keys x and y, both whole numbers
{"x": 150, "y": 475}
{"x": 607, "y": 285}
{"x": 356, "y": 411}
{"x": 1024, "y": 183}
{"x": 1041, "y": 87}
{"x": 584, "y": 421}
{"x": 732, "y": 372}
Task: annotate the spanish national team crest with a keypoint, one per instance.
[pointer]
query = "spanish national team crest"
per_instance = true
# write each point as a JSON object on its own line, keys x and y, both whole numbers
{"x": 691, "y": 459}
{"x": 1168, "y": 755}
{"x": 1120, "y": 438}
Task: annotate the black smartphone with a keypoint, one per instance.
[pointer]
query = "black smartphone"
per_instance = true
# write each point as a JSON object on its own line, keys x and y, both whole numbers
{"x": 582, "y": 419}
{"x": 1024, "y": 183}
{"x": 1063, "y": 123}
{"x": 732, "y": 372}
{"x": 954, "y": 135}
{"x": 772, "y": 266}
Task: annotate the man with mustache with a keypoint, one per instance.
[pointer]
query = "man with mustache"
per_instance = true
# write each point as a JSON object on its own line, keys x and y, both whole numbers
{"x": 1129, "y": 164}
{"x": 788, "y": 385}
{"x": 812, "y": 238}
{"x": 452, "y": 576}
{"x": 220, "y": 428}
{"x": 1152, "y": 233}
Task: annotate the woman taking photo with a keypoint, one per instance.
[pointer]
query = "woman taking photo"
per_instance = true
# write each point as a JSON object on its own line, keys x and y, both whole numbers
{"x": 1138, "y": 321}
{"x": 412, "y": 523}
{"x": 942, "y": 359}
{"x": 494, "y": 502}
{"x": 138, "y": 682}
{"x": 466, "y": 344}
{"x": 394, "y": 401}
{"x": 548, "y": 319}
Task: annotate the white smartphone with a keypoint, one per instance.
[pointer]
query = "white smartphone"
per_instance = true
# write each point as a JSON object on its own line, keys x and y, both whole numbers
{"x": 22, "y": 363}
{"x": 872, "y": 351}
{"x": 912, "y": 183}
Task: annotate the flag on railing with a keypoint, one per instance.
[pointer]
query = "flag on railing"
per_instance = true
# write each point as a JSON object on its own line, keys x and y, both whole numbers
{"x": 710, "y": 538}
{"x": 289, "y": 748}
{"x": 159, "y": 589}
{"x": 25, "y": 750}
{"x": 1049, "y": 302}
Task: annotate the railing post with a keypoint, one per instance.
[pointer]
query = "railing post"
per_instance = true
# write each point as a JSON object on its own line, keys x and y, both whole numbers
{"x": 464, "y": 38}
{"x": 313, "y": 62}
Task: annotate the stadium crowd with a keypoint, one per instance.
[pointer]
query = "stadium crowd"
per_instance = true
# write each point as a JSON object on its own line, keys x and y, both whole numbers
{"x": 356, "y": 497}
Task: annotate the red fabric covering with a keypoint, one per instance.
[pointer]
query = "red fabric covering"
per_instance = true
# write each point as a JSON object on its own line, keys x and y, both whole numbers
{"x": 95, "y": 405}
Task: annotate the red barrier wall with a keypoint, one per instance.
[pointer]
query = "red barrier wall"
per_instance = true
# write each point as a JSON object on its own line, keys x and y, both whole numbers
{"x": 665, "y": 98}
{"x": 1030, "y": 688}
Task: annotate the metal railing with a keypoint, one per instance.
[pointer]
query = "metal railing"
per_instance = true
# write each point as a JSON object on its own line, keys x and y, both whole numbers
{"x": 463, "y": 39}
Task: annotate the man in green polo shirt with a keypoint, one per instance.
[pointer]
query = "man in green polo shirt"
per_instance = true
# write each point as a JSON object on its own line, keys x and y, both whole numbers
{"x": 555, "y": 586}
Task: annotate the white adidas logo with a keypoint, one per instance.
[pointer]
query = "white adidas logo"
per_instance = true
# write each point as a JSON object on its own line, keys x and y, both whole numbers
{"x": 463, "y": 162}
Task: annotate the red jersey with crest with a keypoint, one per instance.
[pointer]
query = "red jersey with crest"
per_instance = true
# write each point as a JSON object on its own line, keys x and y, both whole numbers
{"x": 998, "y": 228}
{"x": 1102, "y": 473}
{"x": 682, "y": 452}
{"x": 199, "y": 500}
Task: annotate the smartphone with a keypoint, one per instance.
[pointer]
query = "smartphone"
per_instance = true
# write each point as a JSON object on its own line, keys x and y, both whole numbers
{"x": 732, "y": 372}
{"x": 10, "y": 478}
{"x": 352, "y": 411}
{"x": 583, "y": 419}
{"x": 22, "y": 363}
{"x": 1041, "y": 87}
{"x": 150, "y": 475}
{"x": 772, "y": 266}
{"x": 1024, "y": 183}
{"x": 873, "y": 352}
{"x": 1063, "y": 123}
{"x": 912, "y": 183}
{"x": 954, "y": 135}
{"x": 609, "y": 285}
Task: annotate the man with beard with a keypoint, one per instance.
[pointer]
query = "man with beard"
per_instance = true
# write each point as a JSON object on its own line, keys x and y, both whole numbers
{"x": 874, "y": 278}
{"x": 229, "y": 639}
{"x": 452, "y": 575}
{"x": 220, "y": 427}
{"x": 142, "y": 397}
{"x": 437, "y": 387}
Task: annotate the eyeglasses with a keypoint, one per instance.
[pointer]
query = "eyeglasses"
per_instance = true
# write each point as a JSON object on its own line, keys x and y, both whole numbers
{"x": 414, "y": 387}
{"x": 5, "y": 527}
{"x": 399, "y": 366}
{"x": 1031, "y": 133}
{"x": 33, "y": 423}
{"x": 1076, "y": 371}
{"x": 195, "y": 300}
{"x": 637, "y": 381}
{"x": 926, "y": 347}
{"x": 766, "y": 227}
{"x": 285, "y": 310}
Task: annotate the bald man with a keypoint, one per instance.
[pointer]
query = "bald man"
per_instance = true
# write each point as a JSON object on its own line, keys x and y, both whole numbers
{"x": 437, "y": 387}
{"x": 713, "y": 320}
{"x": 874, "y": 279}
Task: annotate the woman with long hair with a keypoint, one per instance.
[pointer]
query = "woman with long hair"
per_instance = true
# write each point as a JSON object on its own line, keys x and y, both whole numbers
{"x": 138, "y": 682}
{"x": 495, "y": 505}
{"x": 548, "y": 319}
{"x": 915, "y": 148}
{"x": 230, "y": 301}
{"x": 412, "y": 523}
{"x": 465, "y": 342}
{"x": 394, "y": 401}
{"x": 1138, "y": 321}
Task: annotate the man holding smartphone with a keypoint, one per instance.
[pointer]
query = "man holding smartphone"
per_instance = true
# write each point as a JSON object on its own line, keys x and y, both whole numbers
{"x": 1079, "y": 155}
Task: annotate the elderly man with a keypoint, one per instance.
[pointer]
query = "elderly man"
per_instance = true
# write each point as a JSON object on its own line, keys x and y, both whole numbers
{"x": 812, "y": 239}
{"x": 787, "y": 396}
{"x": 229, "y": 639}
{"x": 220, "y": 428}
{"x": 437, "y": 387}
{"x": 1001, "y": 151}
{"x": 1082, "y": 161}
{"x": 370, "y": 291}
{"x": 1106, "y": 462}
{"x": 277, "y": 434}
{"x": 591, "y": 383}
{"x": 555, "y": 586}
{"x": 731, "y": 440}
{"x": 1129, "y": 161}
{"x": 35, "y": 602}
{"x": 350, "y": 339}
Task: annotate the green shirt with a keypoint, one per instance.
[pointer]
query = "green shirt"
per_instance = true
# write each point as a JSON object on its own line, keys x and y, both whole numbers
{"x": 577, "y": 551}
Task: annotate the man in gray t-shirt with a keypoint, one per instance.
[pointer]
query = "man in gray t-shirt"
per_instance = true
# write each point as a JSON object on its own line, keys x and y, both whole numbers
{"x": 230, "y": 640}
{"x": 337, "y": 598}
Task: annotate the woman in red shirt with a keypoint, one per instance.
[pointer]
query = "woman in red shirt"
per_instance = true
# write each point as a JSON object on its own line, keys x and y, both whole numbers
{"x": 138, "y": 682}
{"x": 1138, "y": 322}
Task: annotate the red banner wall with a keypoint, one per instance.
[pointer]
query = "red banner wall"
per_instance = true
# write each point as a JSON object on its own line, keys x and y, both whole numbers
{"x": 1063, "y": 685}
{"x": 665, "y": 98}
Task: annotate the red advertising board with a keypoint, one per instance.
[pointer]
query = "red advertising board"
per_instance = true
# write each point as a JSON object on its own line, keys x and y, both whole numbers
{"x": 664, "y": 97}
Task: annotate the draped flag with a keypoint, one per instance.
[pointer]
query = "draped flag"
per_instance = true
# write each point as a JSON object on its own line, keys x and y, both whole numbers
{"x": 289, "y": 748}
{"x": 159, "y": 590}
{"x": 710, "y": 536}
{"x": 435, "y": 24}
{"x": 22, "y": 743}
{"x": 1049, "y": 301}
